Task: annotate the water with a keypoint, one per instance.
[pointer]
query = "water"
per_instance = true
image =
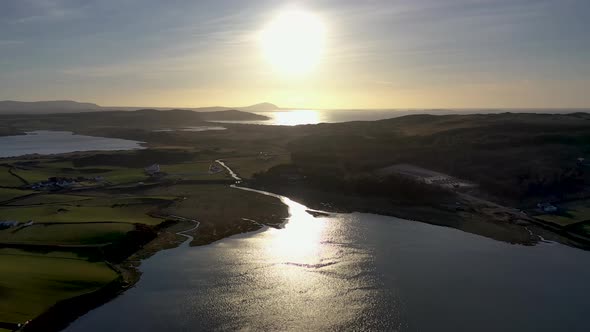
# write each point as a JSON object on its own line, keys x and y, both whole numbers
{"x": 308, "y": 116}
{"x": 53, "y": 142}
{"x": 303, "y": 117}
{"x": 354, "y": 272}
{"x": 195, "y": 129}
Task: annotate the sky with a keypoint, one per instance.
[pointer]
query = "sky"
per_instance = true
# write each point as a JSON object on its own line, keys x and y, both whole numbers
{"x": 378, "y": 53}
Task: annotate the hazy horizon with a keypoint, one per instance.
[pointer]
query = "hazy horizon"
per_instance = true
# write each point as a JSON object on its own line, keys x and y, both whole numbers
{"x": 287, "y": 108}
{"x": 340, "y": 55}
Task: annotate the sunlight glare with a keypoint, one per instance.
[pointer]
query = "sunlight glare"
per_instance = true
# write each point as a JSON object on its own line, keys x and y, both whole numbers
{"x": 297, "y": 117}
{"x": 299, "y": 241}
{"x": 293, "y": 42}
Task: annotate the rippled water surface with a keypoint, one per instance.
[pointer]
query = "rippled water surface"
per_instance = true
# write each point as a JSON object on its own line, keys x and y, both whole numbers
{"x": 354, "y": 272}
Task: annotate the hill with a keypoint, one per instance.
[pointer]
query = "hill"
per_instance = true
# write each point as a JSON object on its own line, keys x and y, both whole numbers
{"x": 140, "y": 119}
{"x": 231, "y": 115}
{"x": 519, "y": 158}
{"x": 46, "y": 107}
{"x": 262, "y": 107}
{"x": 69, "y": 106}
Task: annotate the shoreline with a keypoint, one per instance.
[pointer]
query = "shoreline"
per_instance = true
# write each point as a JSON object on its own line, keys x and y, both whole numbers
{"x": 63, "y": 313}
{"x": 475, "y": 216}
{"x": 173, "y": 232}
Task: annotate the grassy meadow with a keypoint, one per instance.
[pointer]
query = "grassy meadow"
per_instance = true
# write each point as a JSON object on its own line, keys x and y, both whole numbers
{"x": 106, "y": 214}
{"x": 8, "y": 193}
{"x": 66, "y": 234}
{"x": 66, "y": 213}
{"x": 192, "y": 171}
{"x": 574, "y": 212}
{"x": 113, "y": 175}
{"x": 33, "y": 282}
{"x": 7, "y": 179}
{"x": 246, "y": 167}
{"x": 45, "y": 198}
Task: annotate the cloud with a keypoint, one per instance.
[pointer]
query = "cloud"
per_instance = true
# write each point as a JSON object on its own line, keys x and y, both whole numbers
{"x": 6, "y": 43}
{"x": 34, "y": 11}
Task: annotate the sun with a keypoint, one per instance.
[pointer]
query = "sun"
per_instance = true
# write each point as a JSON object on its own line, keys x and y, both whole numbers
{"x": 293, "y": 42}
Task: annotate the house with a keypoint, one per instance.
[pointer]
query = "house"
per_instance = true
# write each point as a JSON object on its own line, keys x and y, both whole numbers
{"x": 153, "y": 169}
{"x": 547, "y": 207}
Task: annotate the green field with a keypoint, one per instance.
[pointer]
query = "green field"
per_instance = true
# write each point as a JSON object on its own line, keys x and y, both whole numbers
{"x": 223, "y": 211}
{"x": 35, "y": 175}
{"x": 246, "y": 167}
{"x": 33, "y": 282}
{"x": 8, "y": 180}
{"x": 114, "y": 175}
{"x": 125, "y": 175}
{"x": 6, "y": 193}
{"x": 66, "y": 234}
{"x": 192, "y": 171}
{"x": 575, "y": 212}
{"x": 221, "y": 204}
{"x": 87, "y": 209}
{"x": 49, "y": 199}
{"x": 66, "y": 213}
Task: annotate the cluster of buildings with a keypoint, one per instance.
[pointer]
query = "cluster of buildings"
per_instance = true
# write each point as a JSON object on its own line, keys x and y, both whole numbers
{"x": 59, "y": 183}
{"x": 53, "y": 183}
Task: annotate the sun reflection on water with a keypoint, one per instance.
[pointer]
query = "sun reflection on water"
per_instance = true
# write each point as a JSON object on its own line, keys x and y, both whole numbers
{"x": 297, "y": 117}
{"x": 299, "y": 242}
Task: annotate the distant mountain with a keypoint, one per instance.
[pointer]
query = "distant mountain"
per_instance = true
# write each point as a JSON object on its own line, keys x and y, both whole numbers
{"x": 69, "y": 106}
{"x": 262, "y": 107}
{"x": 231, "y": 115}
{"x": 140, "y": 119}
{"x": 46, "y": 107}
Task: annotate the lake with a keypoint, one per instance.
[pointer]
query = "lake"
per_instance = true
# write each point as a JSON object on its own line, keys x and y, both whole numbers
{"x": 53, "y": 142}
{"x": 354, "y": 272}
